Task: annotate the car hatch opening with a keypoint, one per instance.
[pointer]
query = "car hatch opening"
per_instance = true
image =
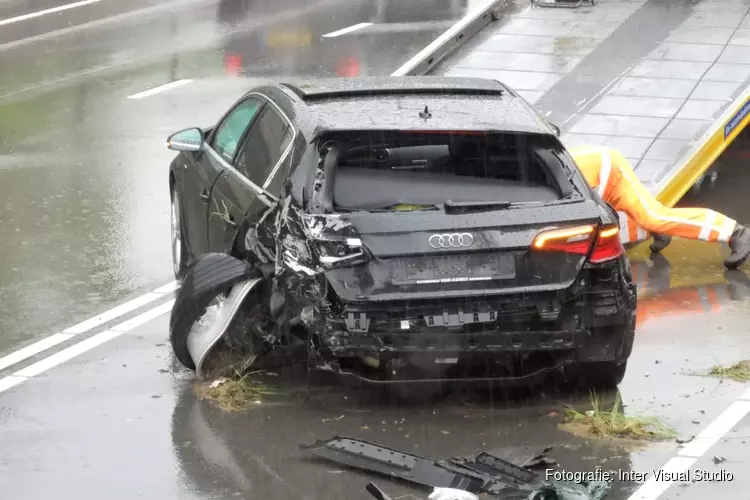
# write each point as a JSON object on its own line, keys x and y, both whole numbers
{"x": 456, "y": 171}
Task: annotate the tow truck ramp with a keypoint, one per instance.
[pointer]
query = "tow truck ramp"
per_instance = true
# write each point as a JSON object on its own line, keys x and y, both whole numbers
{"x": 666, "y": 83}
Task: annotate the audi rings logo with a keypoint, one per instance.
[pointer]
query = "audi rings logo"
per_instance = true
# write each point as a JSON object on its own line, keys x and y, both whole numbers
{"x": 455, "y": 240}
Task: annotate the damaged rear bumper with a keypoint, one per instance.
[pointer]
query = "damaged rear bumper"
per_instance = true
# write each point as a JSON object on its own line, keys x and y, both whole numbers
{"x": 586, "y": 324}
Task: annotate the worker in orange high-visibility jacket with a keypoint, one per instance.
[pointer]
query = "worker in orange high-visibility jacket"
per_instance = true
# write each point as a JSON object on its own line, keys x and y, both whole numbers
{"x": 610, "y": 174}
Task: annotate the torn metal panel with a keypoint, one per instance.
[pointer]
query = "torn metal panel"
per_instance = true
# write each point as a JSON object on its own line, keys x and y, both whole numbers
{"x": 209, "y": 329}
{"x": 486, "y": 473}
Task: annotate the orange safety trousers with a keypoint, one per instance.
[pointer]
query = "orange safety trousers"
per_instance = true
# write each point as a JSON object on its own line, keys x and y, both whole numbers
{"x": 610, "y": 174}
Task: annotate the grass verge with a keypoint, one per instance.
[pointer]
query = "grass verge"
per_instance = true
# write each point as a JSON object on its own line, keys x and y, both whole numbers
{"x": 615, "y": 424}
{"x": 739, "y": 372}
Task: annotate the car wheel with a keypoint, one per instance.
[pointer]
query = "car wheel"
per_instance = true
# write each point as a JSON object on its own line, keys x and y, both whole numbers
{"x": 212, "y": 276}
{"x": 602, "y": 374}
{"x": 179, "y": 249}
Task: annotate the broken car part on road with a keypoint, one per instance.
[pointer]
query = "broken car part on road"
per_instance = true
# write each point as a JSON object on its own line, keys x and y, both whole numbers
{"x": 447, "y": 236}
{"x": 437, "y": 494}
{"x": 485, "y": 473}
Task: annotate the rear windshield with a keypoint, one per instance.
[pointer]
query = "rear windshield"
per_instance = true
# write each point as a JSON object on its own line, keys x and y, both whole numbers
{"x": 380, "y": 171}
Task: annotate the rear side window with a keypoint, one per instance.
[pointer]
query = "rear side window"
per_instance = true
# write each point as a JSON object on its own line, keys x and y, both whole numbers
{"x": 229, "y": 132}
{"x": 263, "y": 147}
{"x": 389, "y": 170}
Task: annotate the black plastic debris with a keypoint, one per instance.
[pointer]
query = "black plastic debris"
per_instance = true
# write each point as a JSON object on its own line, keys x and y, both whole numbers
{"x": 485, "y": 473}
{"x": 376, "y": 492}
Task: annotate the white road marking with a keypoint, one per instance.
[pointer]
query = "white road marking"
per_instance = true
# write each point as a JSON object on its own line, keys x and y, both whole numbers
{"x": 168, "y": 288}
{"x": 114, "y": 313}
{"x": 160, "y": 88}
{"x": 89, "y": 324}
{"x": 349, "y": 29}
{"x": 143, "y": 318}
{"x": 33, "y": 349}
{"x": 11, "y": 381}
{"x": 709, "y": 436}
{"x": 66, "y": 354}
{"x": 81, "y": 347}
{"x": 652, "y": 488}
{"x": 689, "y": 455}
{"x": 47, "y": 11}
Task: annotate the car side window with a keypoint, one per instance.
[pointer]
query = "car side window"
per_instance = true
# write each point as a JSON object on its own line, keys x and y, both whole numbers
{"x": 263, "y": 147}
{"x": 229, "y": 132}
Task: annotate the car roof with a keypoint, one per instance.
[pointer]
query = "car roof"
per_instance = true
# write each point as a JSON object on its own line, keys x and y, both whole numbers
{"x": 398, "y": 103}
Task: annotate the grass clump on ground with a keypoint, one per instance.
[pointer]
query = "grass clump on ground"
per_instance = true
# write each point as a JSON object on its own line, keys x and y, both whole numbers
{"x": 615, "y": 424}
{"x": 238, "y": 393}
{"x": 739, "y": 372}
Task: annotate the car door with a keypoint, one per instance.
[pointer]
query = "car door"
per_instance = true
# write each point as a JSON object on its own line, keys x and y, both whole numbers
{"x": 219, "y": 151}
{"x": 238, "y": 198}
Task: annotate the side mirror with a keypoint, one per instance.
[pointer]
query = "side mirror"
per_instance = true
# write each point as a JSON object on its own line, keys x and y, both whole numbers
{"x": 555, "y": 128}
{"x": 190, "y": 139}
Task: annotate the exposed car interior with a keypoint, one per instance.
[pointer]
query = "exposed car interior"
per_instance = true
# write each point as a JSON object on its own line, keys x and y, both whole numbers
{"x": 426, "y": 170}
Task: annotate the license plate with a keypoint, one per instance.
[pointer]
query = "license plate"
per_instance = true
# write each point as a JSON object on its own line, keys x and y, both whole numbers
{"x": 453, "y": 268}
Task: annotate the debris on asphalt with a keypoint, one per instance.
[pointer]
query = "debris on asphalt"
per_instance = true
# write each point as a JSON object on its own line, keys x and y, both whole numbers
{"x": 717, "y": 460}
{"x": 234, "y": 394}
{"x": 696, "y": 422}
{"x": 216, "y": 383}
{"x": 333, "y": 419}
{"x": 451, "y": 494}
{"x": 684, "y": 441}
{"x": 739, "y": 372}
{"x": 615, "y": 423}
{"x": 540, "y": 460}
{"x": 376, "y": 492}
{"x": 486, "y": 473}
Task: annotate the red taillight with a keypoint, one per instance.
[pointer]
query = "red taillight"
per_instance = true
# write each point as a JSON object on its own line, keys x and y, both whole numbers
{"x": 349, "y": 66}
{"x": 578, "y": 240}
{"x": 570, "y": 240}
{"x": 233, "y": 64}
{"x": 608, "y": 245}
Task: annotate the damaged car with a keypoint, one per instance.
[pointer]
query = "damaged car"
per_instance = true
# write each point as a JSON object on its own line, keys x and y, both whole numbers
{"x": 395, "y": 229}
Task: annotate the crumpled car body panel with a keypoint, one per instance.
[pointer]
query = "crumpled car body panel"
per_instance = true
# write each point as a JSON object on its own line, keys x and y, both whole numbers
{"x": 202, "y": 338}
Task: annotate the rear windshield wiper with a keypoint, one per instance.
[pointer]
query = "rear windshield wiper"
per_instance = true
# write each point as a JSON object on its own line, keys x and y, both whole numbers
{"x": 474, "y": 206}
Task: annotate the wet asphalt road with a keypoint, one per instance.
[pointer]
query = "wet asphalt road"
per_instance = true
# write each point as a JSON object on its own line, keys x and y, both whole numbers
{"x": 84, "y": 225}
{"x": 84, "y": 212}
{"x": 122, "y": 420}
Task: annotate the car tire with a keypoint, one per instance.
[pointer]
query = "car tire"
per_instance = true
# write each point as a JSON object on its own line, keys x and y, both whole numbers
{"x": 211, "y": 275}
{"x": 180, "y": 253}
{"x": 603, "y": 375}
